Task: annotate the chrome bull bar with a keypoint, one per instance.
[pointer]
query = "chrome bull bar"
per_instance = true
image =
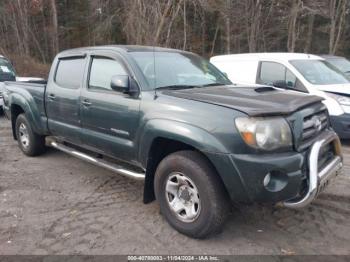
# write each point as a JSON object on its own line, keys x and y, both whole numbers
{"x": 318, "y": 180}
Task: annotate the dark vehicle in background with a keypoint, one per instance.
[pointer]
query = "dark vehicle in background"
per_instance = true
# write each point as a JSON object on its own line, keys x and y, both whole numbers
{"x": 7, "y": 73}
{"x": 172, "y": 119}
{"x": 339, "y": 62}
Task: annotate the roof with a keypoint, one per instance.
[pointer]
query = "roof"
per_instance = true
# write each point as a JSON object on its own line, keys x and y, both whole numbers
{"x": 261, "y": 56}
{"x": 331, "y": 56}
{"x": 125, "y": 48}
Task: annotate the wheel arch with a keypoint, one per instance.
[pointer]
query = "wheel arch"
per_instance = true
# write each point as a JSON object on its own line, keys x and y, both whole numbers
{"x": 160, "y": 148}
{"x": 23, "y": 105}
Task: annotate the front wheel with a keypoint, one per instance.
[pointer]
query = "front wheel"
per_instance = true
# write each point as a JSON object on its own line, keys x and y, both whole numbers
{"x": 190, "y": 194}
{"x": 29, "y": 142}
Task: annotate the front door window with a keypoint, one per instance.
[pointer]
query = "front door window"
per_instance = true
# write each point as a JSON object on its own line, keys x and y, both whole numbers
{"x": 272, "y": 71}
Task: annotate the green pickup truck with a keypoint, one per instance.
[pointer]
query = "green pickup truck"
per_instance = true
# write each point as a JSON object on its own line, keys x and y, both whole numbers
{"x": 172, "y": 119}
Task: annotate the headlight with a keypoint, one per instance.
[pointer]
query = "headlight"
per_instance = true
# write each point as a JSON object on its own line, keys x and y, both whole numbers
{"x": 264, "y": 133}
{"x": 343, "y": 100}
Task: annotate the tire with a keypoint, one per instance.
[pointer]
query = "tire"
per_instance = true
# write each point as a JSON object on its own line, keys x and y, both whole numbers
{"x": 189, "y": 171}
{"x": 29, "y": 142}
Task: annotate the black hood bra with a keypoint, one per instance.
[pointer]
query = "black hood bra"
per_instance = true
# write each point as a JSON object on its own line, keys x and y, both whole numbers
{"x": 254, "y": 101}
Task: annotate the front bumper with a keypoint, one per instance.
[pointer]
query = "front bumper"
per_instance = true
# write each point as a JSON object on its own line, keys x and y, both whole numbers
{"x": 292, "y": 178}
{"x": 341, "y": 125}
{"x": 318, "y": 179}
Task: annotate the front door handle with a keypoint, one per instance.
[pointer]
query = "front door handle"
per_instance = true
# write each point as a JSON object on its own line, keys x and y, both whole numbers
{"x": 51, "y": 96}
{"x": 86, "y": 102}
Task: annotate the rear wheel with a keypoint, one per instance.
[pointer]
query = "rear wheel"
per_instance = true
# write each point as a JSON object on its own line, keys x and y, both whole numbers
{"x": 29, "y": 142}
{"x": 191, "y": 196}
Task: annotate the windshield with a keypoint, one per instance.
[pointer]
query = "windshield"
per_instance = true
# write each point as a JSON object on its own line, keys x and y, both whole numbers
{"x": 177, "y": 69}
{"x": 320, "y": 72}
{"x": 7, "y": 73}
{"x": 341, "y": 63}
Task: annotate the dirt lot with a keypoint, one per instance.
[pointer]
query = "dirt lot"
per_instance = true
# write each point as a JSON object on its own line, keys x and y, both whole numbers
{"x": 56, "y": 204}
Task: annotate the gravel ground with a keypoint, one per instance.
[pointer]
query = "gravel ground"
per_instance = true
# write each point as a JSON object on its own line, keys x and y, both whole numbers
{"x": 56, "y": 204}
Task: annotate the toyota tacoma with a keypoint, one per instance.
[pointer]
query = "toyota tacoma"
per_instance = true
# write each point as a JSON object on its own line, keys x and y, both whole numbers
{"x": 172, "y": 119}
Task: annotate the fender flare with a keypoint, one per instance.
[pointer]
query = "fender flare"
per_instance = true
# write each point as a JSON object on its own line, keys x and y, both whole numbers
{"x": 182, "y": 132}
{"x": 31, "y": 111}
{"x": 188, "y": 134}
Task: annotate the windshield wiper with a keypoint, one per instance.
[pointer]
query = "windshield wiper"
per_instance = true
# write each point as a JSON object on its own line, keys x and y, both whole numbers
{"x": 176, "y": 87}
{"x": 188, "y": 86}
{"x": 213, "y": 84}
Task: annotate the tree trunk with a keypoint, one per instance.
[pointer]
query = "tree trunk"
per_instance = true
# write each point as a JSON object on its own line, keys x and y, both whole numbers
{"x": 185, "y": 27}
{"x": 308, "y": 42}
{"x": 337, "y": 15}
{"x": 253, "y": 13}
{"x": 214, "y": 40}
{"x": 168, "y": 36}
{"x": 162, "y": 20}
{"x": 228, "y": 35}
{"x": 54, "y": 39}
{"x": 292, "y": 25}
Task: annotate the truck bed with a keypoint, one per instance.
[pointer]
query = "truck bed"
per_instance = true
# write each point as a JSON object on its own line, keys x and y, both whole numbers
{"x": 30, "y": 91}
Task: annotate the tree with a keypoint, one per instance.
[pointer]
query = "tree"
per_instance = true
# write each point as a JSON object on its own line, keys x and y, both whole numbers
{"x": 38, "y": 29}
{"x": 337, "y": 13}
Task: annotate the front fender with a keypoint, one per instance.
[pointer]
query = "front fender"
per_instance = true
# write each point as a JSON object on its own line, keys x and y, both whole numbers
{"x": 186, "y": 133}
{"x": 31, "y": 110}
{"x": 200, "y": 139}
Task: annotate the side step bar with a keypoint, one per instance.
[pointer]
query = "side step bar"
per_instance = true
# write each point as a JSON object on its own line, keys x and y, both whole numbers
{"x": 96, "y": 161}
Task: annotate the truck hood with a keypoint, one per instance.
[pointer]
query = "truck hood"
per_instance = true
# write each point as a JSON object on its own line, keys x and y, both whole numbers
{"x": 254, "y": 101}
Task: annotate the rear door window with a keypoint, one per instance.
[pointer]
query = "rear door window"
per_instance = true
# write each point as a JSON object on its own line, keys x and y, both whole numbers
{"x": 70, "y": 72}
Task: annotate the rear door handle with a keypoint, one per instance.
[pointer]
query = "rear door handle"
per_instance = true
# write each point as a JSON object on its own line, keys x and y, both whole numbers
{"x": 86, "y": 102}
{"x": 51, "y": 97}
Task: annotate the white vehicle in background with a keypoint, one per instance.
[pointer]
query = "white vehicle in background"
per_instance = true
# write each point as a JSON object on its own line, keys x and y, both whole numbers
{"x": 8, "y": 73}
{"x": 293, "y": 71}
{"x": 339, "y": 62}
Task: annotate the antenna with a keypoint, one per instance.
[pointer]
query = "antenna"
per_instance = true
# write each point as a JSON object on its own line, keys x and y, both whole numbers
{"x": 154, "y": 70}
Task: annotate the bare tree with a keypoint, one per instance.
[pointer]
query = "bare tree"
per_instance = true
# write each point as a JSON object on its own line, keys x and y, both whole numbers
{"x": 310, "y": 27}
{"x": 55, "y": 43}
{"x": 337, "y": 14}
{"x": 38, "y": 29}
{"x": 252, "y": 15}
{"x": 185, "y": 25}
{"x": 292, "y": 24}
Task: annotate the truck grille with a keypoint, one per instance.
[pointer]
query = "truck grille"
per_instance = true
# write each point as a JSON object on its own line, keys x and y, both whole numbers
{"x": 313, "y": 125}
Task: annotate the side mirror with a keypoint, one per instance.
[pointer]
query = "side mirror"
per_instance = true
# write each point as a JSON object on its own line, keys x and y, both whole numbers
{"x": 120, "y": 83}
{"x": 124, "y": 84}
{"x": 281, "y": 84}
